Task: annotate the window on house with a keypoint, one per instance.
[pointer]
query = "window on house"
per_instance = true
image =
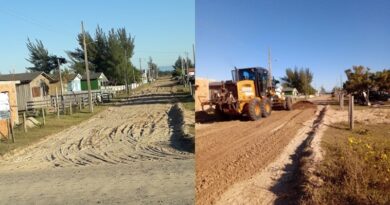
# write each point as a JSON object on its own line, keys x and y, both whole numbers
{"x": 36, "y": 92}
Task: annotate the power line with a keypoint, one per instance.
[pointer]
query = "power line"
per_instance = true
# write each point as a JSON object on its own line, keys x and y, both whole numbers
{"x": 151, "y": 51}
{"x": 32, "y": 21}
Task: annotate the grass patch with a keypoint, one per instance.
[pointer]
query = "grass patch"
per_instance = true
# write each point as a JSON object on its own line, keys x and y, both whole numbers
{"x": 182, "y": 89}
{"x": 188, "y": 103}
{"x": 53, "y": 125}
{"x": 356, "y": 168}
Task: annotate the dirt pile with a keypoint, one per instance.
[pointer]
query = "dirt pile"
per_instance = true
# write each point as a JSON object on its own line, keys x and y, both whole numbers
{"x": 304, "y": 105}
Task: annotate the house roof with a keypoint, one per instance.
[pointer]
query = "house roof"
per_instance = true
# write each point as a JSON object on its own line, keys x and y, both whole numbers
{"x": 94, "y": 76}
{"x": 289, "y": 89}
{"x": 24, "y": 77}
{"x": 72, "y": 76}
{"x": 69, "y": 77}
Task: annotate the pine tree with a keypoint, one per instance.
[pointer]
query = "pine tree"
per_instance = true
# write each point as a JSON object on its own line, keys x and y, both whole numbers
{"x": 110, "y": 54}
{"x": 40, "y": 57}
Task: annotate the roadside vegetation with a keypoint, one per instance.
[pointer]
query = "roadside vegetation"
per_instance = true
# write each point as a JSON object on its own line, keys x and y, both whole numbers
{"x": 356, "y": 167}
{"x": 124, "y": 94}
{"x": 53, "y": 125}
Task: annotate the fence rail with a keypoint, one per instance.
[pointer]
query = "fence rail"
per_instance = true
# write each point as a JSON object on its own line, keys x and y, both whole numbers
{"x": 66, "y": 100}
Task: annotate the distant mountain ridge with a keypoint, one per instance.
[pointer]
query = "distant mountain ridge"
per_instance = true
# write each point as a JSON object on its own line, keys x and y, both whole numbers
{"x": 165, "y": 68}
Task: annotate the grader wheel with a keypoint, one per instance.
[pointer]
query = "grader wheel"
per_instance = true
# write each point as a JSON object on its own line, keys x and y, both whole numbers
{"x": 288, "y": 103}
{"x": 266, "y": 107}
{"x": 254, "y": 109}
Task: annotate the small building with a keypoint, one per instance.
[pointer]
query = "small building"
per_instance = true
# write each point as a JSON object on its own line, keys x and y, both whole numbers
{"x": 191, "y": 75}
{"x": 70, "y": 83}
{"x": 144, "y": 76}
{"x": 8, "y": 89}
{"x": 97, "y": 79}
{"x": 74, "y": 83}
{"x": 202, "y": 92}
{"x": 191, "y": 71}
{"x": 290, "y": 91}
{"x": 55, "y": 85}
{"x": 33, "y": 86}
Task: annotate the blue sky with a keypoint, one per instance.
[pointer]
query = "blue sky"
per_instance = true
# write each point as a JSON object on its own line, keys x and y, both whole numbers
{"x": 328, "y": 36}
{"x": 162, "y": 29}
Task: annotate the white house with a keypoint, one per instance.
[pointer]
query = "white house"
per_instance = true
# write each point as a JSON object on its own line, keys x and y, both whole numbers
{"x": 144, "y": 76}
{"x": 74, "y": 83}
{"x": 290, "y": 91}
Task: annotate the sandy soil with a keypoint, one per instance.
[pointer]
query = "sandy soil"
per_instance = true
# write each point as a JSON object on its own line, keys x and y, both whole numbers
{"x": 132, "y": 153}
{"x": 231, "y": 152}
{"x": 273, "y": 184}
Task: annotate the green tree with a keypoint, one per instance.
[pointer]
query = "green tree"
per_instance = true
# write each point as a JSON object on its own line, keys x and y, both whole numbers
{"x": 108, "y": 53}
{"x": 359, "y": 79}
{"x": 153, "y": 69}
{"x": 41, "y": 59}
{"x": 300, "y": 79}
{"x": 322, "y": 90}
{"x": 177, "y": 67}
{"x": 77, "y": 56}
{"x": 382, "y": 80}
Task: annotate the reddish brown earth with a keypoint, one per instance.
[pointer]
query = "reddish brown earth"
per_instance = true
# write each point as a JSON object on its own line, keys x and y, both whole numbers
{"x": 232, "y": 151}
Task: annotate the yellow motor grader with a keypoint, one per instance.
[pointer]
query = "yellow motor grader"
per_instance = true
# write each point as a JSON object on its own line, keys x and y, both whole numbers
{"x": 251, "y": 93}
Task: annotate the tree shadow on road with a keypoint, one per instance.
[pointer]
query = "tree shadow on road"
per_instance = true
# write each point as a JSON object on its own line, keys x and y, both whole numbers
{"x": 179, "y": 139}
{"x": 290, "y": 187}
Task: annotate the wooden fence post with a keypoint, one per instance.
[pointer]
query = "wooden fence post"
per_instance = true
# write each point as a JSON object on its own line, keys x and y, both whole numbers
{"x": 63, "y": 104}
{"x": 55, "y": 105}
{"x": 341, "y": 101}
{"x": 43, "y": 116}
{"x": 350, "y": 112}
{"x": 24, "y": 122}
{"x": 80, "y": 104}
{"x": 58, "y": 106}
{"x": 11, "y": 130}
{"x": 190, "y": 86}
{"x": 70, "y": 108}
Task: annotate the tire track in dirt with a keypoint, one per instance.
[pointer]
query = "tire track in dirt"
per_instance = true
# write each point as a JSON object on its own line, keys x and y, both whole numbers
{"x": 121, "y": 134}
{"x": 229, "y": 152}
{"x": 125, "y": 142}
{"x": 122, "y": 155}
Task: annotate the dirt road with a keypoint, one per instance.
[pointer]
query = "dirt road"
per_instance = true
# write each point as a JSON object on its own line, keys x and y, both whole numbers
{"x": 233, "y": 151}
{"x": 135, "y": 152}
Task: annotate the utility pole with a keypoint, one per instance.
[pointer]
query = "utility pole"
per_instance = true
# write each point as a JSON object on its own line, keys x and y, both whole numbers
{"x": 148, "y": 73}
{"x": 59, "y": 71}
{"x": 62, "y": 88}
{"x": 87, "y": 70}
{"x": 133, "y": 75}
{"x": 125, "y": 73}
{"x": 140, "y": 69}
{"x": 269, "y": 69}
{"x": 186, "y": 64}
{"x": 182, "y": 70}
{"x": 193, "y": 52}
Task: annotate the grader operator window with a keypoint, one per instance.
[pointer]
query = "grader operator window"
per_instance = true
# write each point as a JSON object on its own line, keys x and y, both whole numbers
{"x": 246, "y": 74}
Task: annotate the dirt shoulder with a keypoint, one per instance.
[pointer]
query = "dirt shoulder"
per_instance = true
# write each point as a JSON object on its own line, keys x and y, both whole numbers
{"x": 233, "y": 151}
{"x": 354, "y": 166}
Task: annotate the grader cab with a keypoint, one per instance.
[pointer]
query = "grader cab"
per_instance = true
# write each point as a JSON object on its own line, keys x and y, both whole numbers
{"x": 250, "y": 93}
